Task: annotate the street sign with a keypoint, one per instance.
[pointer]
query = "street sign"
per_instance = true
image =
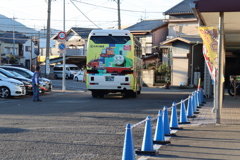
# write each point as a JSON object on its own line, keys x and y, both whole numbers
{"x": 61, "y": 35}
{"x": 61, "y": 46}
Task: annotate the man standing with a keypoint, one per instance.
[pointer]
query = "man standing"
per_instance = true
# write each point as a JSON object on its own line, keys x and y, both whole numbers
{"x": 35, "y": 83}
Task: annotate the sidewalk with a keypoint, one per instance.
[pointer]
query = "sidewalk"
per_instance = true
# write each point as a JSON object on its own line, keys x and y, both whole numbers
{"x": 203, "y": 138}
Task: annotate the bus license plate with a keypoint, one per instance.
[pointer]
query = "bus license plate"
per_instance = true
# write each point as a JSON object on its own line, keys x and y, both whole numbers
{"x": 109, "y": 78}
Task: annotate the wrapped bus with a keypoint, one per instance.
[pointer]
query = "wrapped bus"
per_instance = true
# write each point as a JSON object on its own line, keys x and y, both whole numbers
{"x": 114, "y": 63}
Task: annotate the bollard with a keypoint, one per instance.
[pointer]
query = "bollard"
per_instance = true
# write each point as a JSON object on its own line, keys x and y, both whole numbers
{"x": 128, "y": 149}
{"x": 190, "y": 108}
{"x": 159, "y": 132}
{"x": 183, "y": 115}
{"x": 203, "y": 100}
{"x": 166, "y": 127}
{"x": 147, "y": 144}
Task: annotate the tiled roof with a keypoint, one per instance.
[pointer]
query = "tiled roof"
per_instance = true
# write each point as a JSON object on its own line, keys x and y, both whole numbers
{"x": 180, "y": 8}
{"x": 83, "y": 32}
{"x": 193, "y": 39}
{"x": 19, "y": 38}
{"x": 146, "y": 25}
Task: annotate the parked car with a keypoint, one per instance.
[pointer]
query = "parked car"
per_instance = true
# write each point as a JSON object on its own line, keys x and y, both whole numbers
{"x": 11, "y": 87}
{"x": 27, "y": 82}
{"x": 28, "y": 74}
{"x": 79, "y": 76}
{"x": 15, "y": 65}
{"x": 70, "y": 70}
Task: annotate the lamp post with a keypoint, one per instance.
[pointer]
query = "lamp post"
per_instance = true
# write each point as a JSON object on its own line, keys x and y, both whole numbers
{"x": 64, "y": 72}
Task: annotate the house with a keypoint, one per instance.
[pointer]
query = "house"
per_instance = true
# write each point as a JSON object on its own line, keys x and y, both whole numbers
{"x": 182, "y": 49}
{"x": 76, "y": 41}
{"x": 18, "y": 46}
{"x": 150, "y": 33}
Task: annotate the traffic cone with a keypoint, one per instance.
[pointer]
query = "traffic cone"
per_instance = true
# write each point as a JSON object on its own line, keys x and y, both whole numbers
{"x": 193, "y": 100}
{"x": 128, "y": 149}
{"x": 197, "y": 99}
{"x": 166, "y": 127}
{"x": 174, "y": 118}
{"x": 183, "y": 116}
{"x": 147, "y": 144}
{"x": 203, "y": 100}
{"x": 190, "y": 108}
{"x": 200, "y": 98}
{"x": 159, "y": 132}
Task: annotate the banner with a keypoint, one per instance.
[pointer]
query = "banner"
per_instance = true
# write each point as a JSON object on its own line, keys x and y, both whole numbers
{"x": 210, "y": 48}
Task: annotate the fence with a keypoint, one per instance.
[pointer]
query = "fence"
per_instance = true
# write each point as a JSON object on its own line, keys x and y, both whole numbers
{"x": 163, "y": 127}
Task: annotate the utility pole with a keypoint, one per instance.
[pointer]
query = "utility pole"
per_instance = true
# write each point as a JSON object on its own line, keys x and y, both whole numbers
{"x": 13, "y": 36}
{"x": 119, "y": 18}
{"x": 64, "y": 71}
{"x": 47, "y": 64}
{"x": 31, "y": 56}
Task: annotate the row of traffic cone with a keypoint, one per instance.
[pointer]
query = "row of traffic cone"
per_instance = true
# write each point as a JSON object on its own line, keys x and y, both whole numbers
{"x": 162, "y": 127}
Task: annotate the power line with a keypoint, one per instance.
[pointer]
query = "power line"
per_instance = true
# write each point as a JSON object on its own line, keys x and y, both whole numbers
{"x": 112, "y": 8}
{"x": 84, "y": 14}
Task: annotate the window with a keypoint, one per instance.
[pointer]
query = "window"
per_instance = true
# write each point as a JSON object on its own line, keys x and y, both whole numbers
{"x": 110, "y": 39}
{"x": 28, "y": 48}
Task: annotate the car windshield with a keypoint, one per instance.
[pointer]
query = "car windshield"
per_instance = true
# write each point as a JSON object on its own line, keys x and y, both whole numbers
{"x": 7, "y": 73}
{"x": 17, "y": 74}
{"x": 3, "y": 76}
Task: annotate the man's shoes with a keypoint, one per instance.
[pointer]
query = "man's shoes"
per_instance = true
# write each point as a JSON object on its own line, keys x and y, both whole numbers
{"x": 38, "y": 100}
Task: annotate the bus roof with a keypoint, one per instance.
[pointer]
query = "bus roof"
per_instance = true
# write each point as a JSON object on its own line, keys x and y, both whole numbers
{"x": 109, "y": 31}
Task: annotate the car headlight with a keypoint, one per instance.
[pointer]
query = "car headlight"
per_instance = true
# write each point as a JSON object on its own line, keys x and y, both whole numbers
{"x": 16, "y": 84}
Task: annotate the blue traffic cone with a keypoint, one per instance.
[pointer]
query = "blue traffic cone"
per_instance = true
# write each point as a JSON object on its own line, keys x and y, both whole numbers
{"x": 197, "y": 99}
{"x": 174, "y": 118}
{"x": 147, "y": 144}
{"x": 183, "y": 116}
{"x": 200, "y": 97}
{"x": 203, "y": 100}
{"x": 128, "y": 149}
{"x": 193, "y": 100}
{"x": 195, "y": 103}
{"x": 159, "y": 132}
{"x": 190, "y": 108}
{"x": 166, "y": 127}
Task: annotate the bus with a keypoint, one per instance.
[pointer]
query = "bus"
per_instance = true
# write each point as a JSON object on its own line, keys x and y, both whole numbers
{"x": 113, "y": 64}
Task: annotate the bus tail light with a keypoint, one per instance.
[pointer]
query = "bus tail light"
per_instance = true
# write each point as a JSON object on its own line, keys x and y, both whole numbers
{"x": 126, "y": 78}
{"x": 125, "y": 83}
{"x": 93, "y": 83}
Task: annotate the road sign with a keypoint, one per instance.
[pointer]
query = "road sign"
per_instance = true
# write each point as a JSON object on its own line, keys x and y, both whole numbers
{"x": 61, "y": 46}
{"x": 62, "y": 35}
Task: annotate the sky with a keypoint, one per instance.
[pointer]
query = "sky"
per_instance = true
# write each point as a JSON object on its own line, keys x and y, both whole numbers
{"x": 84, "y": 13}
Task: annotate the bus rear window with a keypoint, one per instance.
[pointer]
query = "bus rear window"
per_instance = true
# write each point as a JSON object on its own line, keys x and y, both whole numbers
{"x": 110, "y": 39}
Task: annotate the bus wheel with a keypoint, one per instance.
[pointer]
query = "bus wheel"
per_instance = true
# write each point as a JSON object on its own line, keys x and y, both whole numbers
{"x": 134, "y": 94}
{"x": 94, "y": 94}
{"x": 101, "y": 95}
{"x": 139, "y": 91}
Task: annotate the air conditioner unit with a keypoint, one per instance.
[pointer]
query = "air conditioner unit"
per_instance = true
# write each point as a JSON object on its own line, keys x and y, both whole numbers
{"x": 170, "y": 37}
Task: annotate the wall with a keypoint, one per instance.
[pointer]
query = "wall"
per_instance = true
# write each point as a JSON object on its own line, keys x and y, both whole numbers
{"x": 178, "y": 29}
{"x": 148, "y": 77}
{"x": 179, "y": 71}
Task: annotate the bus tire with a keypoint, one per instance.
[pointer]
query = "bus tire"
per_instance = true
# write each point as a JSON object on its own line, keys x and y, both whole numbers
{"x": 94, "y": 94}
{"x": 134, "y": 94}
{"x": 139, "y": 91}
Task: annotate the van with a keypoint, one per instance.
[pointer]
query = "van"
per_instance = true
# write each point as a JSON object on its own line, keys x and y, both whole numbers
{"x": 70, "y": 70}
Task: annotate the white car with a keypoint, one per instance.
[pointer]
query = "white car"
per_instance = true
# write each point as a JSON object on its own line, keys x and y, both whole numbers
{"x": 11, "y": 87}
{"x": 79, "y": 76}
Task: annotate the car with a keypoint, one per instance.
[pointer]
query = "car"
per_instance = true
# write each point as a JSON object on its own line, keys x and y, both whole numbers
{"x": 28, "y": 74}
{"x": 79, "y": 76}
{"x": 11, "y": 87}
{"x": 16, "y": 65}
{"x": 27, "y": 82}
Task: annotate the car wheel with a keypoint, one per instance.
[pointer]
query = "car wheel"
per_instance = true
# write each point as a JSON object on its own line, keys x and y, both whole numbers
{"x": 76, "y": 78}
{"x": 4, "y": 92}
{"x": 67, "y": 77}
